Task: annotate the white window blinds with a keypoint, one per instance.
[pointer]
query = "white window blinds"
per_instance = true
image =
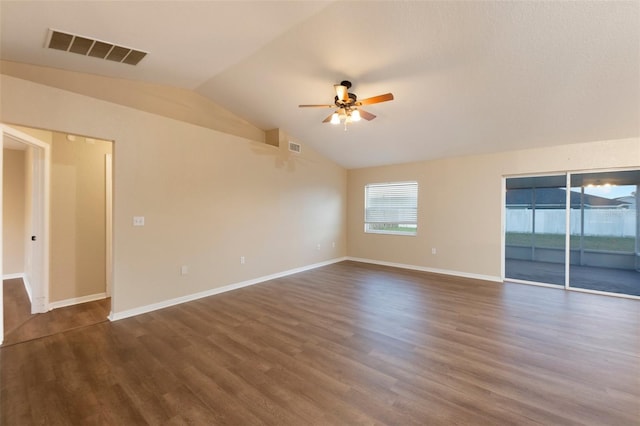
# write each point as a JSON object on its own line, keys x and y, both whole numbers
{"x": 391, "y": 208}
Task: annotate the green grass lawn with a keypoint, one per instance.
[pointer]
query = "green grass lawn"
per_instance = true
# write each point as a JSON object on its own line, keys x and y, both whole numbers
{"x": 624, "y": 244}
{"x": 383, "y": 227}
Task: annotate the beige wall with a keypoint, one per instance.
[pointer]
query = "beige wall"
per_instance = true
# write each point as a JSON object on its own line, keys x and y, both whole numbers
{"x": 207, "y": 197}
{"x": 78, "y": 227}
{"x": 460, "y": 204}
{"x": 45, "y": 136}
{"x": 13, "y": 211}
{"x": 181, "y": 104}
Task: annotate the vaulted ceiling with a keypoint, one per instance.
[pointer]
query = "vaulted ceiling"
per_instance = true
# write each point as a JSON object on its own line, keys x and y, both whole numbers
{"x": 468, "y": 77}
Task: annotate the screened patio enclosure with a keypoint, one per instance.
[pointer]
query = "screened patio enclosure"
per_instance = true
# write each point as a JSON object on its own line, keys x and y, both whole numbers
{"x": 577, "y": 230}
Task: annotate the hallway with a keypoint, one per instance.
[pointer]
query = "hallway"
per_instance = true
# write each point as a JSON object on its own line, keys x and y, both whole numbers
{"x": 21, "y": 326}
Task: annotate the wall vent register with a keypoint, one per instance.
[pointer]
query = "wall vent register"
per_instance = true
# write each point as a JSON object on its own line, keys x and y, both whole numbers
{"x": 295, "y": 147}
{"x": 91, "y": 47}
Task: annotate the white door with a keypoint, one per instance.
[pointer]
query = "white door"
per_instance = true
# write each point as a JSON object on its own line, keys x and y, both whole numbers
{"x": 34, "y": 262}
{"x": 37, "y": 256}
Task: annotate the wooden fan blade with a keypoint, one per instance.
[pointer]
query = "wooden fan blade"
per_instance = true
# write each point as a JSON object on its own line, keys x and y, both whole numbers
{"x": 316, "y": 106}
{"x": 342, "y": 92}
{"x": 376, "y": 99}
{"x": 366, "y": 115}
{"x": 328, "y": 119}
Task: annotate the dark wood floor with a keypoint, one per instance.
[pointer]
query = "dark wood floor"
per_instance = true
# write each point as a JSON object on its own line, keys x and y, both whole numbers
{"x": 20, "y": 325}
{"x": 343, "y": 344}
{"x": 17, "y": 308}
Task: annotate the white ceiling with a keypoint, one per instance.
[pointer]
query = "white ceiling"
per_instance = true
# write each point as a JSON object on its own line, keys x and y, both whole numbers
{"x": 468, "y": 77}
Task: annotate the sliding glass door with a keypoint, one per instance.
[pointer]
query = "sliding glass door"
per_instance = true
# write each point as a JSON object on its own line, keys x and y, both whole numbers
{"x": 535, "y": 226}
{"x": 605, "y": 252}
{"x": 599, "y": 213}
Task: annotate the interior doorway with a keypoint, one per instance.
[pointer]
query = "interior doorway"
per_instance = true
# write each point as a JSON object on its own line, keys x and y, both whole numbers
{"x": 78, "y": 216}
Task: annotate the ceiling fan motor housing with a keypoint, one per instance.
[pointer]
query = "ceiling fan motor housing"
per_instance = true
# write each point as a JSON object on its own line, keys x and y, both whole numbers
{"x": 352, "y": 100}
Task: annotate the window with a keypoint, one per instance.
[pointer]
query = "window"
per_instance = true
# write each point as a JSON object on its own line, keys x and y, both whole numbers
{"x": 391, "y": 208}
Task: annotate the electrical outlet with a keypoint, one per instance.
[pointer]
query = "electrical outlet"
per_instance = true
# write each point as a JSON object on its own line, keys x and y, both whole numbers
{"x": 138, "y": 221}
{"x": 434, "y": 251}
{"x": 333, "y": 244}
{"x": 242, "y": 260}
{"x": 184, "y": 270}
{"x": 318, "y": 247}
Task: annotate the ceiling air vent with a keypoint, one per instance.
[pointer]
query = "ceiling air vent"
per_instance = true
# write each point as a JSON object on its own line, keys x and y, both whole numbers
{"x": 91, "y": 47}
{"x": 295, "y": 147}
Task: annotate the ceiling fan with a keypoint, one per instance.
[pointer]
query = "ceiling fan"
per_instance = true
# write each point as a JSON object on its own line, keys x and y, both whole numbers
{"x": 348, "y": 106}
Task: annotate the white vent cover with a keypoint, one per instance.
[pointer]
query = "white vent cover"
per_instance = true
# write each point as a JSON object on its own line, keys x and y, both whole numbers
{"x": 87, "y": 46}
{"x": 295, "y": 147}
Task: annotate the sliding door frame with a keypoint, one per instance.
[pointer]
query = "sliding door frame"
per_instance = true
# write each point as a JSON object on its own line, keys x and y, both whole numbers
{"x": 567, "y": 249}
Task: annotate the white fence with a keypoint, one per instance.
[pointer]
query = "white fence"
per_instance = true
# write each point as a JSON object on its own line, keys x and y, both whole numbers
{"x": 602, "y": 222}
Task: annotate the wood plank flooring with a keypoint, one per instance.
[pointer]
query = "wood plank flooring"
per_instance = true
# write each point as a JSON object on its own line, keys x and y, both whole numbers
{"x": 21, "y": 325}
{"x": 346, "y": 344}
{"x": 17, "y": 308}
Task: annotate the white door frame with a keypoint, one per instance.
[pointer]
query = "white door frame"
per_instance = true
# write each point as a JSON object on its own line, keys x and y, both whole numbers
{"x": 108, "y": 163}
{"x": 1, "y": 239}
{"x": 42, "y": 185}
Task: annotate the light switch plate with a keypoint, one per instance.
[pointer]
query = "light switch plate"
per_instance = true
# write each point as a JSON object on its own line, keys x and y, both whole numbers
{"x": 138, "y": 221}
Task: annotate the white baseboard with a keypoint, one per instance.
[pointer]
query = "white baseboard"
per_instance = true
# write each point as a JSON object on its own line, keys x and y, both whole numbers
{"x": 76, "y": 300}
{"x": 13, "y": 276}
{"x": 426, "y": 269}
{"x": 115, "y": 316}
{"x": 27, "y": 288}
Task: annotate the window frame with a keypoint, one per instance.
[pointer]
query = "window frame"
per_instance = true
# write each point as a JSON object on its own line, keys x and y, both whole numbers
{"x": 412, "y": 225}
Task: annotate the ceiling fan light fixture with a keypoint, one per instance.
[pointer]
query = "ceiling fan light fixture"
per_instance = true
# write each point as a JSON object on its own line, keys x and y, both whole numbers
{"x": 347, "y": 105}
